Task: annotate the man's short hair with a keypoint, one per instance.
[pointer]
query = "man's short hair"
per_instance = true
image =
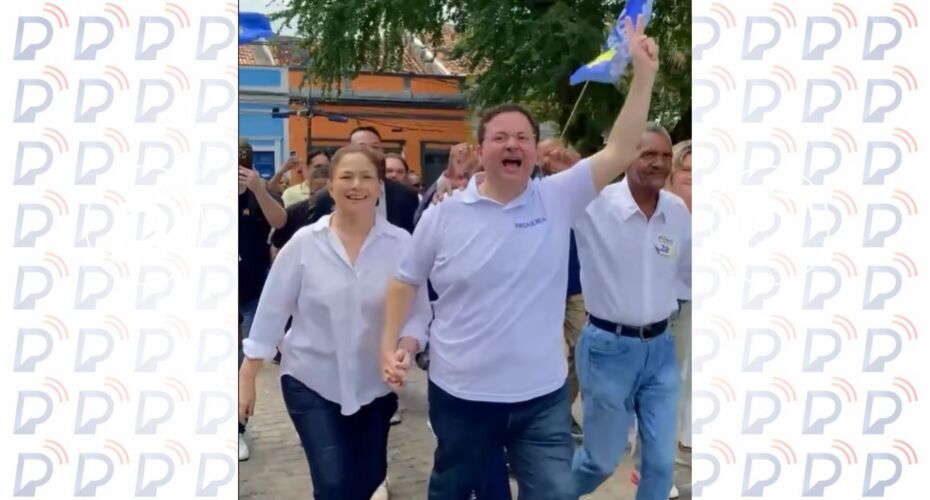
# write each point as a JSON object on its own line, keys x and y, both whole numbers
{"x": 316, "y": 152}
{"x": 489, "y": 114}
{"x": 398, "y": 157}
{"x": 365, "y": 129}
{"x": 655, "y": 128}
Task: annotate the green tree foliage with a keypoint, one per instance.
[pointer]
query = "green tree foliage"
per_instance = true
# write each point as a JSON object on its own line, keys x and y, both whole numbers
{"x": 517, "y": 50}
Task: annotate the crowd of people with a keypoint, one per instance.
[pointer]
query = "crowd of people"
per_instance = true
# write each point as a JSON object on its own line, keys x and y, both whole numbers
{"x": 525, "y": 278}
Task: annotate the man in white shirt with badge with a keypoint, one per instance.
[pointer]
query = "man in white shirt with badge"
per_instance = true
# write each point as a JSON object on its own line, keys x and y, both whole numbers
{"x": 634, "y": 244}
{"x": 495, "y": 254}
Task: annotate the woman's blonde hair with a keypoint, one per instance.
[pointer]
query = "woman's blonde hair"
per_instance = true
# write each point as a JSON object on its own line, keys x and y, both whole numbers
{"x": 679, "y": 153}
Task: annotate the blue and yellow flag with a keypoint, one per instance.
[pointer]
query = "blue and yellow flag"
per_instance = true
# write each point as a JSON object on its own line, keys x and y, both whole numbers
{"x": 252, "y": 26}
{"x": 609, "y": 66}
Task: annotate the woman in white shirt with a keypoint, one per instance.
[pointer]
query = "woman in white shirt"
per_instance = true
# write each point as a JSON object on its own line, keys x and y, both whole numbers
{"x": 331, "y": 277}
{"x": 679, "y": 182}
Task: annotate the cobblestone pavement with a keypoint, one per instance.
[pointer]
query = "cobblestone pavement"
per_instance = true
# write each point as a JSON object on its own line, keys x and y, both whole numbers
{"x": 278, "y": 470}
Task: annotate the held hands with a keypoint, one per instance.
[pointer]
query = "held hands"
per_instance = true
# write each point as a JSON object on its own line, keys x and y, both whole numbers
{"x": 395, "y": 365}
{"x": 643, "y": 50}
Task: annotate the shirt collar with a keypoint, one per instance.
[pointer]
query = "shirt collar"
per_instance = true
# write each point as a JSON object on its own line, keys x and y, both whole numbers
{"x": 472, "y": 195}
{"x": 628, "y": 206}
{"x": 379, "y": 229}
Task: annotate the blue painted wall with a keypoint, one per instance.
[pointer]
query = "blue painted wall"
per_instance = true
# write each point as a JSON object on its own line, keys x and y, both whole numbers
{"x": 255, "y": 120}
{"x": 260, "y": 77}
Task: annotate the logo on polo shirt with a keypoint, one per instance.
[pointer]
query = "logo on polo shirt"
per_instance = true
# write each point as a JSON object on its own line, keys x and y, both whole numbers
{"x": 534, "y": 222}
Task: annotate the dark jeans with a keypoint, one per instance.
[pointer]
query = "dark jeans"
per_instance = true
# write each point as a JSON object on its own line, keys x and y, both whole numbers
{"x": 347, "y": 454}
{"x": 496, "y": 483}
{"x": 470, "y": 434}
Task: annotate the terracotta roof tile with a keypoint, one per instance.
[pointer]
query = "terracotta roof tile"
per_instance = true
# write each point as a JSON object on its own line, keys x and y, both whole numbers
{"x": 246, "y": 57}
{"x": 411, "y": 63}
{"x": 285, "y": 51}
{"x": 443, "y": 52}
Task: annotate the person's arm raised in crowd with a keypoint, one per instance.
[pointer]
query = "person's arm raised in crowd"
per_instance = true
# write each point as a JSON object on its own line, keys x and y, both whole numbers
{"x": 620, "y": 150}
{"x": 276, "y": 184}
{"x": 462, "y": 161}
{"x": 443, "y": 188}
{"x": 272, "y": 210}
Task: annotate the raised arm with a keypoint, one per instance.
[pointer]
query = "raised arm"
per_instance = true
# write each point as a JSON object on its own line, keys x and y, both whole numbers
{"x": 620, "y": 150}
{"x": 276, "y": 184}
{"x": 272, "y": 210}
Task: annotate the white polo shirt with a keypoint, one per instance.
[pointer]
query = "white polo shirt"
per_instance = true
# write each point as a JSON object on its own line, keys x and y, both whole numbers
{"x": 500, "y": 274}
{"x": 633, "y": 270}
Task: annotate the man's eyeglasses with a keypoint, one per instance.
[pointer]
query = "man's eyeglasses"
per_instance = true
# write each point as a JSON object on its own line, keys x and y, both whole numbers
{"x": 502, "y": 139}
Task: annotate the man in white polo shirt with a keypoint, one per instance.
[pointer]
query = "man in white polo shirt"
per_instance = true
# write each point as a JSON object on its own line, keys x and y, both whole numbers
{"x": 634, "y": 244}
{"x": 495, "y": 254}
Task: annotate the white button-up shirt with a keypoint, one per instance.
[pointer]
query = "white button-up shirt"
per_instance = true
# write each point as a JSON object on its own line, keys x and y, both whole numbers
{"x": 500, "y": 274}
{"x": 334, "y": 344}
{"x": 633, "y": 270}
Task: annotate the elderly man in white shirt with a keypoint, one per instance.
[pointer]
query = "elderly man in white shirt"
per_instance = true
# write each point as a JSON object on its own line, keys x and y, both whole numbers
{"x": 331, "y": 278}
{"x": 496, "y": 254}
{"x": 634, "y": 244}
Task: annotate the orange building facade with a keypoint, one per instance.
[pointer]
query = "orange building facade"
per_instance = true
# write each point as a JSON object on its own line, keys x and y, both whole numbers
{"x": 419, "y": 116}
{"x": 419, "y": 111}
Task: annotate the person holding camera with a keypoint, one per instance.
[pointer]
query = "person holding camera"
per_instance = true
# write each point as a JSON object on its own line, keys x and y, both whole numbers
{"x": 259, "y": 211}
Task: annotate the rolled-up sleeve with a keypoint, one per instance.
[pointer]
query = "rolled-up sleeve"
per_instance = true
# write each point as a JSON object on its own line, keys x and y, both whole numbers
{"x": 417, "y": 263}
{"x": 277, "y": 303}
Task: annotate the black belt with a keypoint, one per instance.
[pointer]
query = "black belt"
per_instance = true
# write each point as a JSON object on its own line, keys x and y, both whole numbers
{"x": 642, "y": 332}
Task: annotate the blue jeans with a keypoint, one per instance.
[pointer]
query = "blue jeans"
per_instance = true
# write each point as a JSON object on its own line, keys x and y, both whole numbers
{"x": 618, "y": 376}
{"x": 247, "y": 311}
{"x": 471, "y": 435}
{"x": 347, "y": 454}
